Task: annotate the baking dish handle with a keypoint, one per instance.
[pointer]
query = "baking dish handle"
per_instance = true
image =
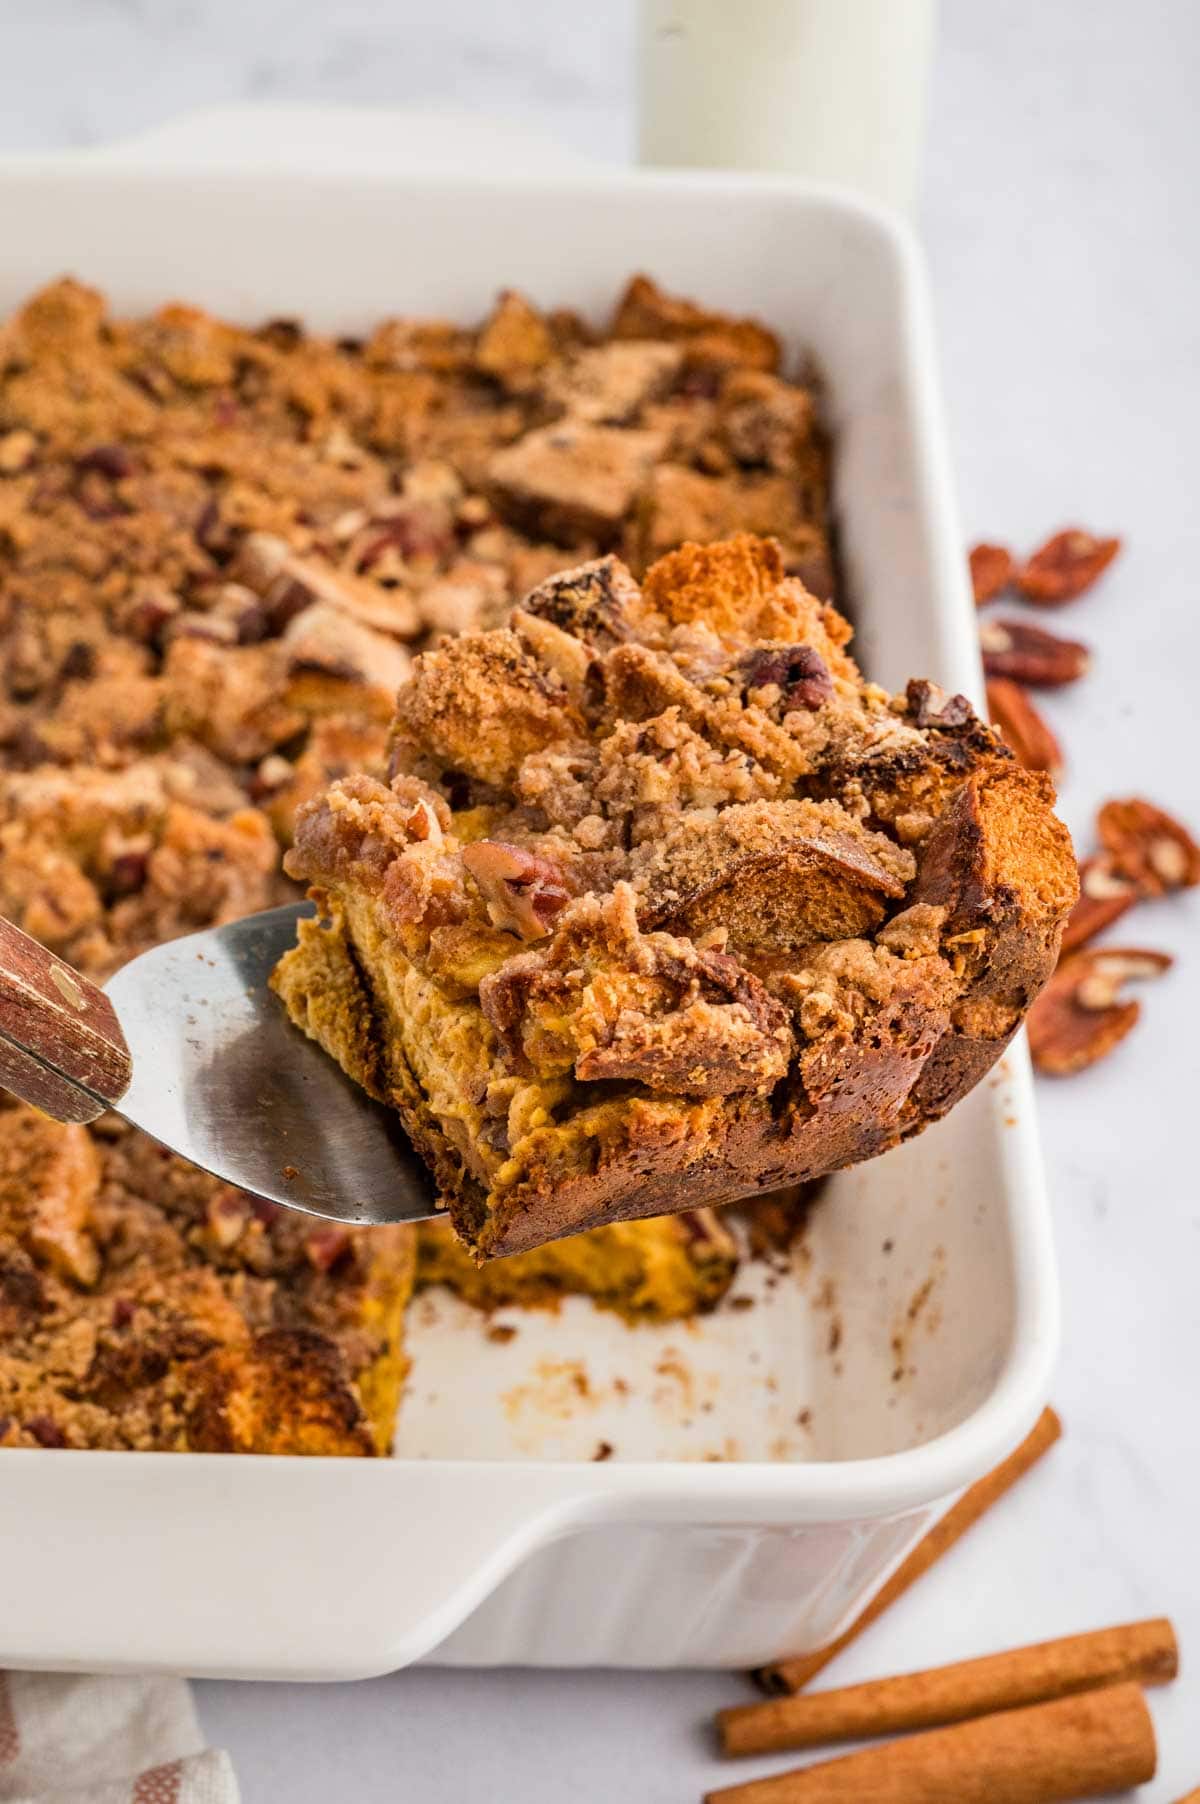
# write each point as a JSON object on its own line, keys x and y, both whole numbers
{"x": 473, "y": 1537}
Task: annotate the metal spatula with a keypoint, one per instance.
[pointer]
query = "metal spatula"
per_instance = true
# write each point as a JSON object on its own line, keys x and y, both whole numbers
{"x": 189, "y": 1043}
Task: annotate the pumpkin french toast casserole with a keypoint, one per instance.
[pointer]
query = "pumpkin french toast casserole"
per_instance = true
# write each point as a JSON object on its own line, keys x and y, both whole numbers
{"x": 662, "y": 904}
{"x": 220, "y": 548}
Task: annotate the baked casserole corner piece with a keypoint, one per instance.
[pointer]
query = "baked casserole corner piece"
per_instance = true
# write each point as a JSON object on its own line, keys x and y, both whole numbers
{"x": 663, "y": 905}
{"x": 145, "y": 1304}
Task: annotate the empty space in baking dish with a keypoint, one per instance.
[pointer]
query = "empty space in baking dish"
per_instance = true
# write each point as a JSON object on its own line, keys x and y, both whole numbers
{"x": 887, "y": 1324}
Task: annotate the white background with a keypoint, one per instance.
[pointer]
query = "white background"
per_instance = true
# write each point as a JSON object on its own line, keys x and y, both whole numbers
{"x": 1062, "y": 225}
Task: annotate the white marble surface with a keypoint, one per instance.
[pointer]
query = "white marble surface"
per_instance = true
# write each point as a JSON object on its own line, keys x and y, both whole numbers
{"x": 1061, "y": 225}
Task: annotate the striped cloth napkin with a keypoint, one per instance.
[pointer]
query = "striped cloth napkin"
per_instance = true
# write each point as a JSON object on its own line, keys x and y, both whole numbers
{"x": 70, "y": 1740}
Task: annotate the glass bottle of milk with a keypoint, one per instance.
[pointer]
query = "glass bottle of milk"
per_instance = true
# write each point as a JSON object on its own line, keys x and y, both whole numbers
{"x": 829, "y": 89}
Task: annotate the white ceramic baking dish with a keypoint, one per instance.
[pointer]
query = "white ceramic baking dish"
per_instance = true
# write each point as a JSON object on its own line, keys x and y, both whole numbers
{"x": 770, "y": 1465}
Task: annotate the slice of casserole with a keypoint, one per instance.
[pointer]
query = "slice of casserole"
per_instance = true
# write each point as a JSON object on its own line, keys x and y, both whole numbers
{"x": 664, "y": 905}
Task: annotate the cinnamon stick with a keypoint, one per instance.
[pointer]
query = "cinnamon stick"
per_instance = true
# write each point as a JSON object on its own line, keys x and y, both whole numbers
{"x": 1145, "y": 1651}
{"x": 784, "y": 1676}
{"x": 1100, "y": 1741}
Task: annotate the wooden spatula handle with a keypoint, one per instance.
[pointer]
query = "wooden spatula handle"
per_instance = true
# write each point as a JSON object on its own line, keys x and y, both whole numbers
{"x": 61, "y": 1045}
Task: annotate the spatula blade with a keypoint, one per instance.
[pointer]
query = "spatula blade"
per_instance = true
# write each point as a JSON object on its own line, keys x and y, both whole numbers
{"x": 222, "y": 1076}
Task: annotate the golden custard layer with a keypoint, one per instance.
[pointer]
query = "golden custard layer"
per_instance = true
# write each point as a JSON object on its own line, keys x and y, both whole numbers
{"x": 662, "y": 904}
{"x": 656, "y": 1270}
{"x": 660, "y": 1270}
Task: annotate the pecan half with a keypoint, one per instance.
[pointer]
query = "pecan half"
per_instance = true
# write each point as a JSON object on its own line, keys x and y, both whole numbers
{"x": 1104, "y": 896}
{"x": 800, "y": 674}
{"x": 991, "y": 571}
{"x": 1066, "y": 565}
{"x": 1026, "y": 734}
{"x": 1029, "y": 654}
{"x": 594, "y": 602}
{"x": 930, "y": 706}
{"x": 1155, "y": 851}
{"x": 1081, "y": 1015}
{"x": 523, "y": 892}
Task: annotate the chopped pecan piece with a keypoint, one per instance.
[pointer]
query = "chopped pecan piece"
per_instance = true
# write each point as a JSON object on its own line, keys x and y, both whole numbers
{"x": 1066, "y": 565}
{"x": 329, "y": 643}
{"x": 1029, "y": 654}
{"x": 1026, "y": 734}
{"x": 930, "y": 706}
{"x": 45, "y": 1431}
{"x": 597, "y": 602}
{"x": 127, "y": 872}
{"x": 287, "y": 584}
{"x": 407, "y": 531}
{"x": 799, "y": 673}
{"x": 1156, "y": 852}
{"x": 523, "y": 892}
{"x": 991, "y": 571}
{"x": 113, "y": 461}
{"x": 1080, "y": 1015}
{"x": 1104, "y": 896}
{"x": 214, "y": 629}
{"x": 325, "y": 1246}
